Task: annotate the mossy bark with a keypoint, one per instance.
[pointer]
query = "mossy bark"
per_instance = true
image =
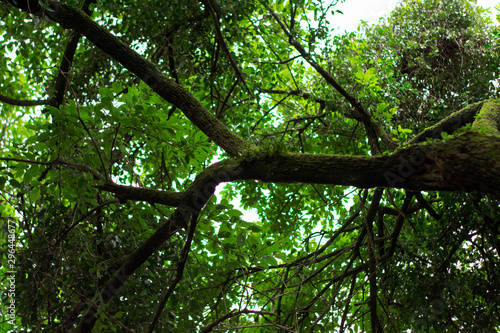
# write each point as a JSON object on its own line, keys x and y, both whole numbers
{"x": 488, "y": 119}
{"x": 468, "y": 162}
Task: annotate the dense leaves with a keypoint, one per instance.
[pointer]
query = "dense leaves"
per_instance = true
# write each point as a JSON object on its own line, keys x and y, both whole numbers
{"x": 107, "y": 178}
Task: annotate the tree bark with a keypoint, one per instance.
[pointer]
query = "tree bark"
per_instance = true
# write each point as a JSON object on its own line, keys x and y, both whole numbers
{"x": 468, "y": 162}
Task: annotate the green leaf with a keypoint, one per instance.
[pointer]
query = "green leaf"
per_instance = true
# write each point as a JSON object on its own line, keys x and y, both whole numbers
{"x": 116, "y": 88}
{"x": 106, "y": 92}
{"x": 119, "y": 315}
{"x": 234, "y": 213}
{"x": 241, "y": 240}
{"x": 14, "y": 183}
{"x": 224, "y": 234}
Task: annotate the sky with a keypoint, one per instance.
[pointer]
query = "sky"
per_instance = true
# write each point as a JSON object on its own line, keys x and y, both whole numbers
{"x": 371, "y": 10}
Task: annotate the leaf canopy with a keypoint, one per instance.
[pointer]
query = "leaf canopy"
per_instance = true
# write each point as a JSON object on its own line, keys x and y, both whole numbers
{"x": 136, "y": 136}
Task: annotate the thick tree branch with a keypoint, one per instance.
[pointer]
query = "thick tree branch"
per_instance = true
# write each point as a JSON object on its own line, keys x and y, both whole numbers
{"x": 449, "y": 124}
{"x": 82, "y": 167}
{"x": 373, "y": 260}
{"x": 195, "y": 197}
{"x": 484, "y": 115}
{"x": 72, "y": 18}
{"x": 193, "y": 200}
{"x": 19, "y": 102}
{"x": 177, "y": 221}
{"x": 63, "y": 71}
{"x": 467, "y": 163}
{"x": 67, "y": 61}
{"x": 488, "y": 118}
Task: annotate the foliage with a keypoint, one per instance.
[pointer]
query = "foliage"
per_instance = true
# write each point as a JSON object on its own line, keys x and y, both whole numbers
{"x": 320, "y": 257}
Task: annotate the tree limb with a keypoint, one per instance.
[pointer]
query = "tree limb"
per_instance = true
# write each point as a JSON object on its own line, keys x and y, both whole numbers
{"x": 19, "y": 102}
{"x": 72, "y": 18}
{"x": 467, "y": 163}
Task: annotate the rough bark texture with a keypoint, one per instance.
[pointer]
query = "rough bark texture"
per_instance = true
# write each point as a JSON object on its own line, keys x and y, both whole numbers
{"x": 468, "y": 162}
{"x": 449, "y": 124}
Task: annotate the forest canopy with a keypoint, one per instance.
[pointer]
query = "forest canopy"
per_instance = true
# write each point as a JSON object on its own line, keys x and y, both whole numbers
{"x": 135, "y": 135}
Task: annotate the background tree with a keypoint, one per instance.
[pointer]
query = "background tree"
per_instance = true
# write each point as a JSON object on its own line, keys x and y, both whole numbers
{"x": 378, "y": 202}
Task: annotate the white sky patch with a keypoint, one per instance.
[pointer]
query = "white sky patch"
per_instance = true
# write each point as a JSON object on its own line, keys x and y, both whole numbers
{"x": 356, "y": 11}
{"x": 370, "y": 11}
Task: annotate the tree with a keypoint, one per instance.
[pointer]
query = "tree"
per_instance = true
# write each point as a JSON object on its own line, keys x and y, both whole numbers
{"x": 371, "y": 158}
